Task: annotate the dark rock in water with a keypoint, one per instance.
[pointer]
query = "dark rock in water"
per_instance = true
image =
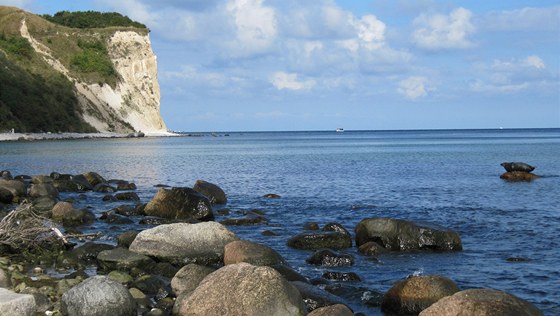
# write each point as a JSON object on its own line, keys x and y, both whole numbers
{"x": 98, "y": 295}
{"x": 125, "y": 239}
{"x": 315, "y": 297}
{"x": 63, "y": 185}
{"x": 245, "y": 221}
{"x": 124, "y": 260}
{"x": 109, "y": 198}
{"x": 112, "y": 218}
{"x": 184, "y": 243}
{"x": 371, "y": 248}
{"x": 122, "y": 185}
{"x": 127, "y": 196}
{"x": 412, "y": 295}
{"x": 332, "y": 310}
{"x": 270, "y": 233}
{"x": 82, "y": 181}
{"x": 89, "y": 251}
{"x": 188, "y": 278}
{"x": 288, "y": 273}
{"x": 356, "y": 295}
{"x": 69, "y": 216}
{"x": 517, "y": 259}
{"x": 481, "y": 302}
{"x": 330, "y": 258}
{"x": 128, "y": 210}
{"x": 180, "y": 203}
{"x": 320, "y": 240}
{"x": 519, "y": 176}
{"x": 250, "y": 252}
{"x": 311, "y": 226}
{"x": 213, "y": 192}
{"x": 15, "y": 187}
{"x": 44, "y": 204}
{"x": 153, "y": 284}
{"x": 104, "y": 188}
{"x": 6, "y": 175}
{"x": 336, "y": 227}
{"x": 41, "y": 179}
{"x": 242, "y": 289}
{"x": 43, "y": 189}
{"x": 341, "y": 276}
{"x": 93, "y": 178}
{"x": 517, "y": 166}
{"x": 6, "y": 196}
{"x": 395, "y": 234}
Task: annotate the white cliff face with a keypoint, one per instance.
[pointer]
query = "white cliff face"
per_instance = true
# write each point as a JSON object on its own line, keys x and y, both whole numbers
{"x": 134, "y": 104}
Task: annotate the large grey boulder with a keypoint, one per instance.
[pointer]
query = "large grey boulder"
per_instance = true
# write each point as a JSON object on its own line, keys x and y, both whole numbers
{"x": 43, "y": 189}
{"x": 98, "y": 296}
{"x": 213, "y": 192}
{"x": 332, "y": 310}
{"x": 396, "y": 234}
{"x": 180, "y": 203}
{"x": 189, "y": 277}
{"x": 15, "y": 187}
{"x": 14, "y": 304}
{"x": 250, "y": 252}
{"x": 412, "y": 295}
{"x": 184, "y": 243}
{"x": 481, "y": 302}
{"x": 243, "y": 289}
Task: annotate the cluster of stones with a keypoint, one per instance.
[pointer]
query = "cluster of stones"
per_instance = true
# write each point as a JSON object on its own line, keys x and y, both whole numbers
{"x": 193, "y": 265}
{"x": 518, "y": 171}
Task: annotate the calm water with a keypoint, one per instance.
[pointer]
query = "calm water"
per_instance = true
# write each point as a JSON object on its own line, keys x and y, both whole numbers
{"x": 450, "y": 178}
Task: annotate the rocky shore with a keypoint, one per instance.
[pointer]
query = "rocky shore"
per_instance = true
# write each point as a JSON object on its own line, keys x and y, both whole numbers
{"x": 4, "y": 137}
{"x": 190, "y": 263}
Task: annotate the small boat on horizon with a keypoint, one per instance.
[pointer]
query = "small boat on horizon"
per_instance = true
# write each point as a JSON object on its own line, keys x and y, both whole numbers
{"x": 340, "y": 130}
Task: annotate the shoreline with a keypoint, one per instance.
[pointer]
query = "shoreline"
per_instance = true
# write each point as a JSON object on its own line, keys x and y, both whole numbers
{"x": 14, "y": 137}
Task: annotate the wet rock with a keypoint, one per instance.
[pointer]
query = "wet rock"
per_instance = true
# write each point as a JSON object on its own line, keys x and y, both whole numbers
{"x": 109, "y": 198}
{"x": 124, "y": 260}
{"x": 315, "y": 297}
{"x": 251, "y": 219}
{"x": 213, "y": 192}
{"x": 311, "y": 226}
{"x": 123, "y": 185}
{"x": 104, "y": 188}
{"x": 332, "y": 310}
{"x": 41, "y": 179}
{"x": 188, "y": 278}
{"x": 395, "y": 234}
{"x": 184, "y": 243}
{"x": 15, "y": 187}
{"x": 4, "y": 279}
{"x": 16, "y": 304}
{"x": 112, "y": 218}
{"x": 66, "y": 214}
{"x": 249, "y": 290}
{"x": 153, "y": 285}
{"x": 6, "y": 175}
{"x": 336, "y": 227}
{"x": 250, "y": 252}
{"x": 64, "y": 185}
{"x": 98, "y": 295}
{"x": 412, "y": 295}
{"x": 371, "y": 248}
{"x": 330, "y": 258}
{"x": 141, "y": 299}
{"x": 120, "y": 276}
{"x": 356, "y": 295}
{"x": 127, "y": 196}
{"x": 320, "y": 240}
{"x": 93, "y": 178}
{"x": 519, "y": 176}
{"x": 6, "y": 196}
{"x": 483, "y": 302}
{"x": 270, "y": 233}
{"x": 341, "y": 276}
{"x": 82, "y": 181}
{"x": 272, "y": 196}
{"x": 124, "y": 240}
{"x": 89, "y": 251}
{"x": 43, "y": 189}
{"x": 180, "y": 203}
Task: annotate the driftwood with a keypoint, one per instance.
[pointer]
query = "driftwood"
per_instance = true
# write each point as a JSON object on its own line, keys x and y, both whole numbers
{"x": 24, "y": 229}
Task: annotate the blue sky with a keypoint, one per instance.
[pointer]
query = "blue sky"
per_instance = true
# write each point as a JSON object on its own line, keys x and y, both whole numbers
{"x": 244, "y": 65}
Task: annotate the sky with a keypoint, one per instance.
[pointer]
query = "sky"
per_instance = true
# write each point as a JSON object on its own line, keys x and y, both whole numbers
{"x": 284, "y": 65}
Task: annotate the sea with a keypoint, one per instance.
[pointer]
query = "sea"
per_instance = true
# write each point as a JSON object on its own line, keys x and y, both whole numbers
{"x": 510, "y": 230}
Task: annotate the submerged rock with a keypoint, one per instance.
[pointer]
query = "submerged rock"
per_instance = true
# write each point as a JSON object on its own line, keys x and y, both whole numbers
{"x": 124, "y": 260}
{"x": 519, "y": 176}
{"x": 396, "y": 234}
{"x": 320, "y": 240}
{"x": 330, "y": 258}
{"x": 412, "y": 295}
{"x": 481, "y": 302}
{"x": 213, "y": 192}
{"x": 243, "y": 289}
{"x": 180, "y": 203}
{"x": 315, "y": 297}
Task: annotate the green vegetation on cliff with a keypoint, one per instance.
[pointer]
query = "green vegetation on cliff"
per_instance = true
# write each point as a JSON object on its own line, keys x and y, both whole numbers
{"x": 92, "y": 19}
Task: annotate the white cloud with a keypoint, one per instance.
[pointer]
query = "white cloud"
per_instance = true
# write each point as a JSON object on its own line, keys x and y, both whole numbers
{"x": 535, "y": 61}
{"x": 290, "y": 81}
{"x": 524, "y": 19}
{"x": 413, "y": 87}
{"x": 439, "y": 31}
{"x": 370, "y": 31}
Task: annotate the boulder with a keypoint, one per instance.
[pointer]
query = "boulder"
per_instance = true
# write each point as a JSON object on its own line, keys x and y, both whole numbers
{"x": 14, "y": 304}
{"x": 6, "y": 175}
{"x": 189, "y": 277}
{"x": 66, "y": 214}
{"x": 243, "y": 289}
{"x": 341, "y": 276}
{"x": 519, "y": 176}
{"x": 371, "y": 248}
{"x": 315, "y": 297}
{"x": 332, "y": 310}
{"x": 395, "y": 234}
{"x": 44, "y": 204}
{"x": 336, "y": 227}
{"x": 412, "y": 295}
{"x": 89, "y": 251}
{"x": 125, "y": 239}
{"x": 124, "y": 260}
{"x": 93, "y": 178}
{"x": 98, "y": 295}
{"x": 184, "y": 243}
{"x": 213, "y": 192}
{"x": 43, "y": 189}
{"x": 127, "y": 196}
{"x": 250, "y": 252}
{"x": 6, "y": 196}
{"x": 104, "y": 188}
{"x": 481, "y": 302}
{"x": 15, "y": 187}
{"x": 41, "y": 179}
{"x": 330, "y": 258}
{"x": 320, "y": 240}
{"x": 180, "y": 203}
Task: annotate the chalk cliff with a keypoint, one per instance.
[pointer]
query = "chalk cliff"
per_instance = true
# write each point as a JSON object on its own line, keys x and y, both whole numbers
{"x": 113, "y": 70}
